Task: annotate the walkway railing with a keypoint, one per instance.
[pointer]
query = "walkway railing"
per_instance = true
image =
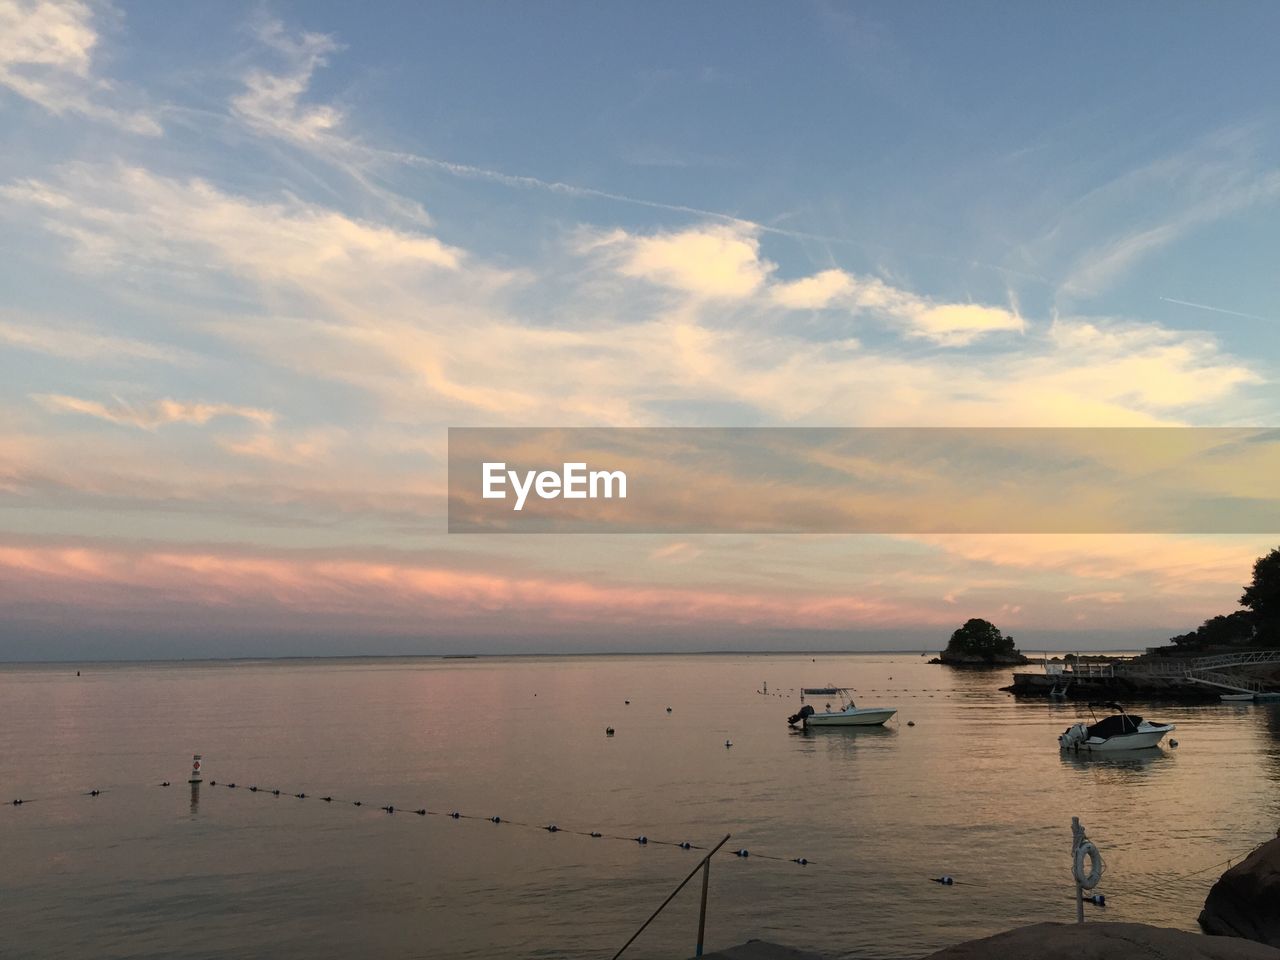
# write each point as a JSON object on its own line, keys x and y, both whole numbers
{"x": 705, "y": 866}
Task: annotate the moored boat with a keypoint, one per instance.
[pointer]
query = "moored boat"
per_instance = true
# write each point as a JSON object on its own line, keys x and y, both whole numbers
{"x": 849, "y": 715}
{"x": 1121, "y": 731}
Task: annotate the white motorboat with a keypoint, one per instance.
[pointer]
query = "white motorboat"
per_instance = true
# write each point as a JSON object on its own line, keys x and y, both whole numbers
{"x": 1235, "y": 697}
{"x": 849, "y": 715}
{"x": 1122, "y": 731}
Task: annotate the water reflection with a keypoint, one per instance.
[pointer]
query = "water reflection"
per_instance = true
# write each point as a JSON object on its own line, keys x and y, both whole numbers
{"x": 1119, "y": 765}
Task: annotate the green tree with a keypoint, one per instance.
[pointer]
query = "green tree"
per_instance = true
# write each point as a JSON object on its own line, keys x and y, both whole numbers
{"x": 981, "y": 638}
{"x": 1262, "y": 597}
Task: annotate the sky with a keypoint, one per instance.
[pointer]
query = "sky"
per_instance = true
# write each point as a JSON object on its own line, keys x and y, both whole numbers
{"x": 256, "y": 259}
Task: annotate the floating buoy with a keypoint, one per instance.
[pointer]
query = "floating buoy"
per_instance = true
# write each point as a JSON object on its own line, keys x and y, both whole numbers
{"x": 1098, "y": 899}
{"x": 728, "y": 743}
{"x": 800, "y": 860}
{"x": 496, "y": 819}
{"x": 608, "y": 731}
{"x": 551, "y": 828}
{"x": 456, "y": 815}
{"x": 94, "y": 793}
{"x": 595, "y": 834}
{"x": 744, "y": 852}
{"x": 275, "y": 793}
{"x": 213, "y": 783}
{"x": 627, "y": 702}
{"x": 327, "y": 799}
{"x": 166, "y": 783}
{"x": 389, "y": 809}
{"x": 253, "y": 789}
{"x": 230, "y": 786}
{"x": 911, "y": 723}
{"x": 668, "y": 709}
{"x": 1173, "y": 743}
{"x": 357, "y": 803}
{"x": 18, "y": 803}
{"x": 196, "y": 775}
{"x": 301, "y": 796}
{"x": 421, "y": 813}
{"x": 685, "y": 845}
{"x": 642, "y": 839}
{"x": 946, "y": 880}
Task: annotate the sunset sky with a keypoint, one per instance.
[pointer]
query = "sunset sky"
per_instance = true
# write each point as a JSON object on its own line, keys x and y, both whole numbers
{"x": 257, "y": 258}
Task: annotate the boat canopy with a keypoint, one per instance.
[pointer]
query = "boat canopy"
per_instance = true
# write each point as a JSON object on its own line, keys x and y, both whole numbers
{"x": 1115, "y": 726}
{"x": 821, "y": 691}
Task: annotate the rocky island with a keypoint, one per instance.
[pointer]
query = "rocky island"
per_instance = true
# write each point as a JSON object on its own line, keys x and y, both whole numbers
{"x": 979, "y": 643}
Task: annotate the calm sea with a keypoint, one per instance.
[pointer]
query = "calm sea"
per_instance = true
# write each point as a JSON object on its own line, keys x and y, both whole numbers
{"x": 975, "y": 789}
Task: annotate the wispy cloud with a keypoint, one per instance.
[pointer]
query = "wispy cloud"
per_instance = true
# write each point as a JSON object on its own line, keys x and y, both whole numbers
{"x": 151, "y": 415}
{"x": 46, "y": 56}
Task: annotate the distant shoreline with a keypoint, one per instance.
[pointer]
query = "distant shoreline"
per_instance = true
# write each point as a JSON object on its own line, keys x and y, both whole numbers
{"x": 346, "y": 658}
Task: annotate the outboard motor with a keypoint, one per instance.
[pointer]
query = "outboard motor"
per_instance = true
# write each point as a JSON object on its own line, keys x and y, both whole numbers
{"x": 1074, "y": 736}
{"x": 805, "y": 712}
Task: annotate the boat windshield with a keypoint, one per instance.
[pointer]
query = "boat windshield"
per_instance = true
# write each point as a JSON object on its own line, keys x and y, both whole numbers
{"x": 1121, "y": 723}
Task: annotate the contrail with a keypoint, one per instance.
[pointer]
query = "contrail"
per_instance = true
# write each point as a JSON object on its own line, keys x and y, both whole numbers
{"x": 1205, "y": 306}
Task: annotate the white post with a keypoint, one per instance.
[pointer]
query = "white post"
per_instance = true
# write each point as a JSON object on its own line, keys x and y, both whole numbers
{"x": 196, "y": 775}
{"x": 1077, "y": 836}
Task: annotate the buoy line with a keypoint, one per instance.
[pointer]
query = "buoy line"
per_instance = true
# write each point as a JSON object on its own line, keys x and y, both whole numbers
{"x": 640, "y": 840}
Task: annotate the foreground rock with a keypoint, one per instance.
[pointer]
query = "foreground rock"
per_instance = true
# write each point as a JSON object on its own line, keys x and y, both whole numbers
{"x": 760, "y": 950}
{"x": 1104, "y": 941}
{"x": 1245, "y": 902}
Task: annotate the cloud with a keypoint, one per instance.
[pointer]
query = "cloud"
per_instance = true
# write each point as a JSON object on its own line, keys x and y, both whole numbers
{"x": 272, "y": 102}
{"x": 77, "y": 342}
{"x": 114, "y": 216}
{"x": 815, "y": 292}
{"x": 152, "y": 415}
{"x": 46, "y": 56}
{"x": 714, "y": 262}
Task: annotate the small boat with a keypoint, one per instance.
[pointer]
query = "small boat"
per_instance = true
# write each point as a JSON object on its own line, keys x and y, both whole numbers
{"x": 1122, "y": 731}
{"x": 849, "y": 715}
{"x": 1235, "y": 697}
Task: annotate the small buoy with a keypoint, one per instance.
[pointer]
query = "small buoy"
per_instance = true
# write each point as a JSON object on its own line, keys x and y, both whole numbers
{"x": 668, "y": 709}
{"x": 327, "y": 799}
{"x": 685, "y": 845}
{"x": 595, "y": 834}
{"x": 166, "y": 783}
{"x": 422, "y": 812}
{"x": 230, "y": 786}
{"x": 911, "y": 723}
{"x": 213, "y": 783}
{"x": 800, "y": 860}
{"x": 496, "y": 819}
{"x": 94, "y": 793}
{"x": 946, "y": 880}
{"x": 275, "y": 793}
{"x": 357, "y": 803}
{"x": 253, "y": 789}
{"x": 608, "y": 731}
{"x": 1098, "y": 899}
{"x": 642, "y": 839}
{"x": 728, "y": 743}
{"x": 1173, "y": 743}
{"x": 301, "y": 796}
{"x": 196, "y": 775}
{"x": 627, "y": 702}
{"x": 551, "y": 828}
{"x": 17, "y": 803}
{"x": 389, "y": 809}
{"x": 456, "y": 815}
{"x": 744, "y": 852}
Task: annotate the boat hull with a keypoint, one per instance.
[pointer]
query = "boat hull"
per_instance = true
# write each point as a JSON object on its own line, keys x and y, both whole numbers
{"x": 1141, "y": 740}
{"x": 861, "y": 717}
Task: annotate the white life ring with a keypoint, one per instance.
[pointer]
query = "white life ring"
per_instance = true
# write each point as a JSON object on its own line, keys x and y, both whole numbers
{"x": 1096, "y": 866}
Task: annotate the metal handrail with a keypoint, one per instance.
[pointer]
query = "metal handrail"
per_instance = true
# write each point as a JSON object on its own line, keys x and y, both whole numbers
{"x": 705, "y": 866}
